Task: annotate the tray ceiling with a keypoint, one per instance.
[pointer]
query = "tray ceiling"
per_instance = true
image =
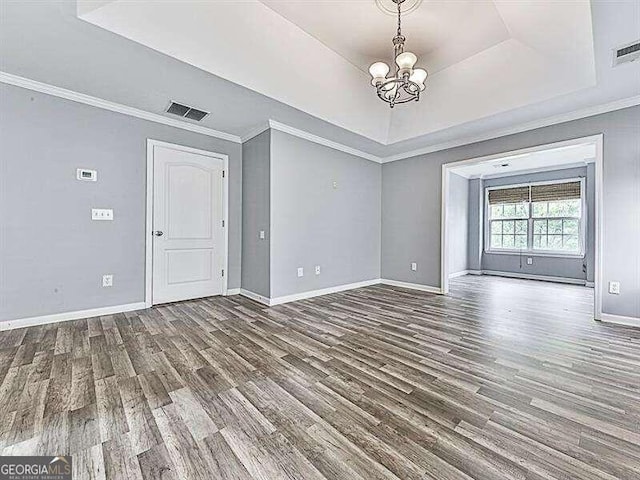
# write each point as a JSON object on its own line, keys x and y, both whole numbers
{"x": 484, "y": 57}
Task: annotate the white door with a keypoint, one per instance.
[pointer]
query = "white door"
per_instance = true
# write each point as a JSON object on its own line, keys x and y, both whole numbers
{"x": 188, "y": 232}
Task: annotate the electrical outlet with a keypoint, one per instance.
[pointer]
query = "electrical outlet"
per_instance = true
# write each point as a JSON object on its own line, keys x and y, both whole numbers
{"x": 300, "y": 272}
{"x": 107, "y": 280}
{"x": 614, "y": 288}
{"x": 529, "y": 261}
{"x": 414, "y": 266}
{"x": 317, "y": 269}
{"x": 261, "y": 235}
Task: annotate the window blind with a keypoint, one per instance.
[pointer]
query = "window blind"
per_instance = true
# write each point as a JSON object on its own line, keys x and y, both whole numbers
{"x": 555, "y": 191}
{"x": 509, "y": 195}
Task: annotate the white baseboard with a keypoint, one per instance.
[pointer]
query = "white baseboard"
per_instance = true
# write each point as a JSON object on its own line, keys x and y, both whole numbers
{"x": 462, "y": 273}
{"x": 527, "y": 276}
{"x": 65, "y": 316}
{"x": 620, "y": 319}
{"x": 323, "y": 291}
{"x": 474, "y": 272}
{"x": 233, "y": 291}
{"x": 257, "y": 297}
{"x": 270, "y": 302}
{"x": 413, "y": 286}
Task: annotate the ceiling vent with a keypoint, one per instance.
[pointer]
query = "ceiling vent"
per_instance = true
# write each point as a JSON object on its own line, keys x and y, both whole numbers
{"x": 186, "y": 111}
{"x": 626, "y": 53}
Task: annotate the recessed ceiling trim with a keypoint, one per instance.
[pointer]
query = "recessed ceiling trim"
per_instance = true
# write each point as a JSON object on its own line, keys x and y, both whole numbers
{"x": 41, "y": 87}
{"x": 524, "y": 127}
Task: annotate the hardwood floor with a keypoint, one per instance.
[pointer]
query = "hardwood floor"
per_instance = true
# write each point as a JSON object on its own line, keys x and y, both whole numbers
{"x": 502, "y": 379}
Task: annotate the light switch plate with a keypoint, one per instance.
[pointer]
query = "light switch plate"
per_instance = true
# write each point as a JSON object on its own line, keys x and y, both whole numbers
{"x": 614, "y": 288}
{"x": 261, "y": 235}
{"x": 107, "y": 280}
{"x": 317, "y": 269}
{"x": 300, "y": 272}
{"x": 101, "y": 214}
{"x": 414, "y": 266}
{"x": 529, "y": 261}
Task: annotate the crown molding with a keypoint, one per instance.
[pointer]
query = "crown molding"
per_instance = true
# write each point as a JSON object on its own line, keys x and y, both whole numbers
{"x": 322, "y": 141}
{"x": 36, "y": 86}
{"x": 41, "y": 87}
{"x": 254, "y": 132}
{"x": 545, "y": 122}
{"x": 528, "y": 171}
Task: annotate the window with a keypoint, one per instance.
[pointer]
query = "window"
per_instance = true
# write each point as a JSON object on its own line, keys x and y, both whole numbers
{"x": 536, "y": 218}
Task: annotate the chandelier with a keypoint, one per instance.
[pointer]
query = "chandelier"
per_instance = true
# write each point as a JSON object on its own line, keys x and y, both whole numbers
{"x": 407, "y": 82}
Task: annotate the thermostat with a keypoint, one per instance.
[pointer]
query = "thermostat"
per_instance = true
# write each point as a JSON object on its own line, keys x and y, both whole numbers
{"x": 86, "y": 175}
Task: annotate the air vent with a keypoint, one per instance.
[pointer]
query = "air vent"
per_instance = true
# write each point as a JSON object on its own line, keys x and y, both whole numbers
{"x": 186, "y": 111}
{"x": 626, "y": 53}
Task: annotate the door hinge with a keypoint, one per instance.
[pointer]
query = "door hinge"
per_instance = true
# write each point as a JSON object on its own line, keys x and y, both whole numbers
{"x": 223, "y": 272}
{"x": 222, "y": 173}
{"x": 223, "y": 223}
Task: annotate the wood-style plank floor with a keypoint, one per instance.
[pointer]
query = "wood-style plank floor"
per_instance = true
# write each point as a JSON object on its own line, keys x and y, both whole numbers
{"x": 501, "y": 379}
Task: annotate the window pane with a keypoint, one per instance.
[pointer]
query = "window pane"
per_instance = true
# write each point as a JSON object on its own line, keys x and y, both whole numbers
{"x": 539, "y": 226}
{"x": 496, "y": 211}
{"x": 521, "y": 241}
{"x": 556, "y": 209}
{"x": 521, "y": 227}
{"x": 561, "y": 208}
{"x": 496, "y": 227}
{"x": 509, "y": 210}
{"x": 570, "y": 227}
{"x": 539, "y": 242}
{"x": 522, "y": 210}
{"x": 554, "y": 242}
{"x": 571, "y": 242}
{"x": 507, "y": 226}
{"x": 573, "y": 208}
{"x": 508, "y": 241}
{"x": 555, "y": 227}
{"x": 496, "y": 241}
{"x": 540, "y": 209}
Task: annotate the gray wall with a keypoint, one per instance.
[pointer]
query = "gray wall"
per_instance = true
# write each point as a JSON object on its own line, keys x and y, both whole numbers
{"x": 474, "y": 254}
{"x": 313, "y": 223}
{"x": 52, "y": 256}
{"x": 411, "y": 190}
{"x": 567, "y": 267}
{"x": 458, "y": 223}
{"x": 256, "y": 158}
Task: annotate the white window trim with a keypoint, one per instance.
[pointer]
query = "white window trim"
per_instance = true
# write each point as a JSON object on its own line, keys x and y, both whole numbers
{"x": 582, "y": 224}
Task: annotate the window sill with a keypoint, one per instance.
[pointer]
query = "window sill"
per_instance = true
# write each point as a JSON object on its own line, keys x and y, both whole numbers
{"x": 528, "y": 253}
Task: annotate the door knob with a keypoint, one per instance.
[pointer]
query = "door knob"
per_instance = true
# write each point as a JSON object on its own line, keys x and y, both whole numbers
{"x": 158, "y": 233}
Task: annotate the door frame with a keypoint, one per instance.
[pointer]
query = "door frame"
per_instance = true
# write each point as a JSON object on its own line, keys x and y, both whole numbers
{"x": 597, "y": 140}
{"x": 151, "y": 143}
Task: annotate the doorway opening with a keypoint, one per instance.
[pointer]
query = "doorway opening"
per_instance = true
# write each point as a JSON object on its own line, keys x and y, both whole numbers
{"x": 532, "y": 214}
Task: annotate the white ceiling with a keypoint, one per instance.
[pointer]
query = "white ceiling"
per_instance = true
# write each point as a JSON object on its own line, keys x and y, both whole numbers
{"x": 440, "y": 32}
{"x": 485, "y": 57}
{"x": 552, "y": 159}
